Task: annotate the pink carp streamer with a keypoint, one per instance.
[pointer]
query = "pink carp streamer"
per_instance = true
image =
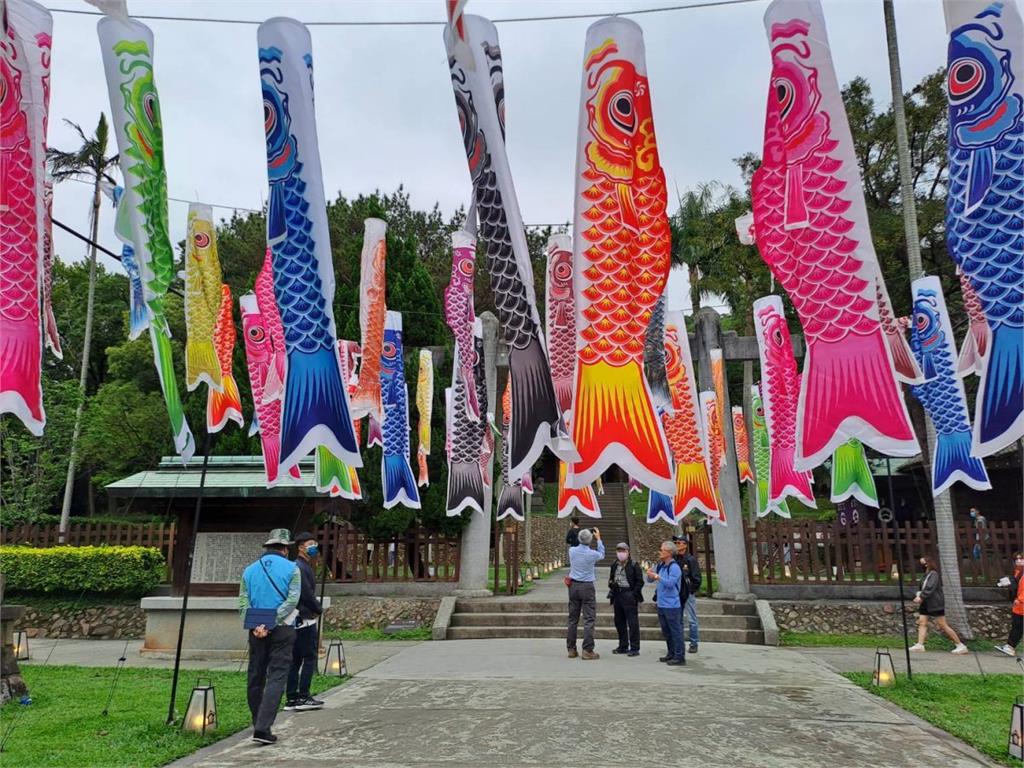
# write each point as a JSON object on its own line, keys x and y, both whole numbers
{"x": 459, "y": 313}
{"x": 25, "y": 70}
{"x": 812, "y": 230}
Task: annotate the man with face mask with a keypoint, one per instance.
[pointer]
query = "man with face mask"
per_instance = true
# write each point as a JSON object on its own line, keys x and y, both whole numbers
{"x": 304, "y": 652}
{"x": 625, "y": 585}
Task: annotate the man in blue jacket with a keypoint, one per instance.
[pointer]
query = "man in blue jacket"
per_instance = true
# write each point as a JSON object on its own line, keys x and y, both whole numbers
{"x": 670, "y": 610}
{"x": 582, "y": 597}
{"x": 272, "y": 583}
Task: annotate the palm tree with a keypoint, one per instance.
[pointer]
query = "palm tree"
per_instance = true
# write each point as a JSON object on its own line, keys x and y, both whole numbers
{"x": 945, "y": 528}
{"x": 688, "y": 247}
{"x": 87, "y": 163}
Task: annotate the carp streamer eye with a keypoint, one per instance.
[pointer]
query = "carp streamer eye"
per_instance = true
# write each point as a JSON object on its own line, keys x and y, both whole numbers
{"x": 965, "y": 78}
{"x": 563, "y": 270}
{"x": 921, "y": 320}
{"x": 388, "y": 350}
{"x": 785, "y": 95}
{"x": 466, "y": 267}
{"x": 777, "y": 336}
{"x": 256, "y": 334}
{"x": 149, "y": 104}
{"x": 269, "y": 117}
{"x": 621, "y": 111}
{"x": 202, "y": 240}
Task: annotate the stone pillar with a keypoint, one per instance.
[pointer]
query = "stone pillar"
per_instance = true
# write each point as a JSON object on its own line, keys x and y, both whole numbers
{"x": 730, "y": 546}
{"x": 476, "y": 537}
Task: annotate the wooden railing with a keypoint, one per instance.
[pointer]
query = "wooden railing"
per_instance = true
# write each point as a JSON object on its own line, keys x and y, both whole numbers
{"x": 807, "y": 551}
{"x": 157, "y": 535}
{"x": 416, "y": 555}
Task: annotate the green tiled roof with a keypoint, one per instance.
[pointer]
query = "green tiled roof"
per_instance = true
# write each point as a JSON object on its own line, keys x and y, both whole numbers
{"x": 226, "y": 477}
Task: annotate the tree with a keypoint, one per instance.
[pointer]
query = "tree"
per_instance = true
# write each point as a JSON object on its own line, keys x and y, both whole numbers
{"x": 89, "y": 163}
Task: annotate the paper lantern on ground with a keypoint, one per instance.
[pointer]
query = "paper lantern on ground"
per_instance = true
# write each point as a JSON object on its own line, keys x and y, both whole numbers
{"x": 885, "y": 673}
{"x": 20, "y": 645}
{"x": 1016, "y": 743}
{"x": 334, "y": 661}
{"x": 201, "y": 714}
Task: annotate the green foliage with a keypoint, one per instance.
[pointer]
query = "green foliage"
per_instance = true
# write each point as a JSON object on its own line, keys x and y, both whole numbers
{"x": 372, "y": 634}
{"x": 974, "y": 708}
{"x": 71, "y": 570}
{"x": 64, "y": 726}
{"x": 10, "y": 517}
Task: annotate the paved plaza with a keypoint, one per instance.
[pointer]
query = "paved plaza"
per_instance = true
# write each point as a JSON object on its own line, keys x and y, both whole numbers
{"x": 502, "y": 703}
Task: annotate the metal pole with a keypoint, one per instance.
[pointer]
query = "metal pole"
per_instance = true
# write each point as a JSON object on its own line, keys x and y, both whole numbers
{"x": 188, "y": 579}
{"x": 899, "y": 568}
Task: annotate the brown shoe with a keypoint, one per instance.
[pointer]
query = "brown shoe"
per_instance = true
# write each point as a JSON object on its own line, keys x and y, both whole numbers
{"x": 573, "y": 653}
{"x": 591, "y": 655}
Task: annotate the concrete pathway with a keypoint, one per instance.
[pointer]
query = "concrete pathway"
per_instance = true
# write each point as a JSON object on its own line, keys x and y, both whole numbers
{"x": 944, "y": 662}
{"x": 522, "y": 703}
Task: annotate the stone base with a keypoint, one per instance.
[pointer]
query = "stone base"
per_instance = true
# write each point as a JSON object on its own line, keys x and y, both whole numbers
{"x": 739, "y": 597}
{"x": 473, "y": 593}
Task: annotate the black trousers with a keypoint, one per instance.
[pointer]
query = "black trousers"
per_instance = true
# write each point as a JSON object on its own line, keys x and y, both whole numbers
{"x": 627, "y": 618}
{"x": 1016, "y": 630}
{"x": 270, "y": 658}
{"x": 303, "y": 662}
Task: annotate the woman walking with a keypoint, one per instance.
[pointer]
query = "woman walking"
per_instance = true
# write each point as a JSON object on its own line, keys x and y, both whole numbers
{"x": 1016, "y": 586}
{"x": 932, "y": 605}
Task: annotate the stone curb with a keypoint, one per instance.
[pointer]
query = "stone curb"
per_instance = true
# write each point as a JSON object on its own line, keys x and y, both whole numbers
{"x": 767, "y": 617}
{"x": 443, "y": 618}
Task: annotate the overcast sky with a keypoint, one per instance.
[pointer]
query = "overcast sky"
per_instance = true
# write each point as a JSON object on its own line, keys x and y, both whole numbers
{"x": 385, "y": 111}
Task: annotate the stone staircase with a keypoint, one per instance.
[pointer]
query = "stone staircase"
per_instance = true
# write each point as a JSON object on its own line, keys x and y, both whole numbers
{"x": 613, "y": 524}
{"x": 720, "y": 621}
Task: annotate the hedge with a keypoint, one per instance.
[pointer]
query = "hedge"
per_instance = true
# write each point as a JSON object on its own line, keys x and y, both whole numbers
{"x": 74, "y": 570}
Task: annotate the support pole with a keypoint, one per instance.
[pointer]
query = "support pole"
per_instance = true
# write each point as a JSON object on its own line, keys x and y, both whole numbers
{"x": 188, "y": 579}
{"x": 730, "y": 546}
{"x": 473, "y": 555}
{"x": 898, "y": 543}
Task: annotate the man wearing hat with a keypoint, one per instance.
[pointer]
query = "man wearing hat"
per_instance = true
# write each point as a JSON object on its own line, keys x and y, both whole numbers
{"x": 306, "y": 635}
{"x": 625, "y": 585}
{"x": 272, "y": 585}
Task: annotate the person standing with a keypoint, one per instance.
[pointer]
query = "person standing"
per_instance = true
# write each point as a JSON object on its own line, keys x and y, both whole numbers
{"x": 626, "y": 584}
{"x": 980, "y": 524}
{"x": 670, "y": 612}
{"x": 572, "y": 536}
{"x": 691, "y": 580}
{"x": 1016, "y": 584}
{"x": 271, "y": 583}
{"x": 932, "y": 604}
{"x": 304, "y": 652}
{"x": 582, "y": 597}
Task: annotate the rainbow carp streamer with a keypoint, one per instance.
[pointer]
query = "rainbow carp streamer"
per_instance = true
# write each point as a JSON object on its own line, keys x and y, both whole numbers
{"x": 315, "y": 410}
{"x": 25, "y": 40}
{"x": 942, "y": 393}
{"x": 811, "y": 225}
{"x": 474, "y": 61}
{"x": 127, "y": 49}
{"x": 985, "y": 88}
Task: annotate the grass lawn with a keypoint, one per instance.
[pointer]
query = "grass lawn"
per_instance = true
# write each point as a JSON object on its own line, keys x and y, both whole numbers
{"x": 64, "y": 724}
{"x": 975, "y": 709}
{"x": 419, "y": 633}
{"x": 935, "y": 641}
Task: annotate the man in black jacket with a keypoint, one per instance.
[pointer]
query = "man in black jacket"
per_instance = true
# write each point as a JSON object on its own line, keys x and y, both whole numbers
{"x": 691, "y": 582}
{"x": 304, "y": 653}
{"x": 625, "y": 585}
{"x": 572, "y": 536}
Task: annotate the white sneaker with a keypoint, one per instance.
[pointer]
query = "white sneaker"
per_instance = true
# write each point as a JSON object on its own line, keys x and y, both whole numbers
{"x": 917, "y": 647}
{"x": 1006, "y": 649}
{"x": 960, "y": 650}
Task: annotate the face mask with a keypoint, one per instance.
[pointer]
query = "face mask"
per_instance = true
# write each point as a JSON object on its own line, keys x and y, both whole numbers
{"x": 623, "y": 556}
{"x": 1019, "y": 562}
{"x": 313, "y": 550}
{"x": 922, "y": 563}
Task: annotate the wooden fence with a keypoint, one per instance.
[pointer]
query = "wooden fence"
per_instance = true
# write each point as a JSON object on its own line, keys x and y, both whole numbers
{"x": 157, "y": 535}
{"x": 807, "y": 551}
{"x": 416, "y": 555}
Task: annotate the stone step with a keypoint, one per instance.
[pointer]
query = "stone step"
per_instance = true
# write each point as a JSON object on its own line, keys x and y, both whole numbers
{"x": 525, "y": 605}
{"x": 604, "y": 619}
{"x": 745, "y": 636}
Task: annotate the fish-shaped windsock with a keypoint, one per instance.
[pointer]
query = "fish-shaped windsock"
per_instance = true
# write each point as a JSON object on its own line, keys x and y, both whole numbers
{"x": 474, "y": 60}
{"x": 459, "y": 312}
{"x": 510, "y": 498}
{"x": 634, "y": 485}
{"x": 742, "y": 444}
{"x": 367, "y": 399}
{"x": 225, "y": 403}
{"x": 425, "y": 409}
{"x": 985, "y": 88}
{"x": 978, "y": 337}
{"x": 316, "y": 408}
{"x": 779, "y": 393}
{"x": 851, "y": 474}
{"x": 138, "y": 312}
{"x": 621, "y": 261}
{"x": 762, "y": 459}
{"x": 261, "y": 356}
{"x": 572, "y": 500}
{"x": 127, "y": 49}
{"x": 397, "y": 479}
{"x": 660, "y": 507}
{"x": 24, "y": 68}
{"x": 942, "y": 393}
{"x": 465, "y": 479}
{"x": 527, "y": 482}
{"x": 683, "y": 425}
{"x": 718, "y": 382}
{"x": 812, "y": 230}
{"x": 203, "y": 300}
{"x": 716, "y": 445}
